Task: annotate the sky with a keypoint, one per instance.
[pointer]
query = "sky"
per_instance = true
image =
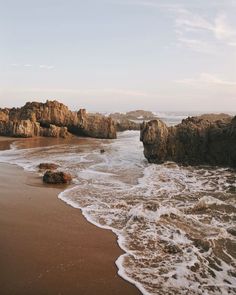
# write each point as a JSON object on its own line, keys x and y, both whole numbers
{"x": 119, "y": 55}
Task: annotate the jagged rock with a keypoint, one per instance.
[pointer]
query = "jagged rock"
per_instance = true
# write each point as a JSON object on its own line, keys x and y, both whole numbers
{"x": 54, "y": 131}
{"x": 126, "y": 124}
{"x": 57, "y": 177}
{"x": 171, "y": 248}
{"x": 231, "y": 189}
{"x": 154, "y": 135}
{"x": 216, "y": 117}
{"x": 53, "y": 119}
{"x": 197, "y": 140}
{"x": 232, "y": 230}
{"x": 134, "y": 115}
{"x": 203, "y": 245}
{"x": 22, "y": 128}
{"x": 48, "y": 166}
{"x": 4, "y": 115}
{"x": 96, "y": 125}
{"x": 131, "y": 120}
{"x": 51, "y": 112}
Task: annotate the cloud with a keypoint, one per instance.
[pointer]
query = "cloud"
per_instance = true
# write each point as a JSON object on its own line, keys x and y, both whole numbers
{"x": 125, "y": 92}
{"x": 206, "y": 78}
{"x": 170, "y": 4}
{"x": 222, "y": 29}
{"x": 218, "y": 30}
{"x": 192, "y": 27}
{"x": 147, "y": 3}
{"x": 195, "y": 44}
{"x": 232, "y": 44}
{"x": 47, "y": 67}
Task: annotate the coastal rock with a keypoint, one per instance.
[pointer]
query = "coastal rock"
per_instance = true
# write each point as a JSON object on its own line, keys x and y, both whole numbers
{"x": 4, "y": 115}
{"x": 95, "y": 125}
{"x": 140, "y": 115}
{"x": 154, "y": 135}
{"x": 51, "y": 112}
{"x": 53, "y": 119}
{"x": 197, "y": 140}
{"x": 126, "y": 124}
{"x": 54, "y": 131}
{"x": 232, "y": 230}
{"x": 131, "y": 120}
{"x": 134, "y": 115}
{"x": 57, "y": 177}
{"x": 203, "y": 245}
{"x": 171, "y": 248}
{"x": 48, "y": 166}
{"x": 22, "y": 128}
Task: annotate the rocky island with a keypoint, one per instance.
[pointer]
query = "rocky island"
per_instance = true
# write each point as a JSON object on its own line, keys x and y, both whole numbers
{"x": 207, "y": 139}
{"x": 53, "y": 119}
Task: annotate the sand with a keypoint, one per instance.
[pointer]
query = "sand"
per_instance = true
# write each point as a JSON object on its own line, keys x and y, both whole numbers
{"x": 48, "y": 247}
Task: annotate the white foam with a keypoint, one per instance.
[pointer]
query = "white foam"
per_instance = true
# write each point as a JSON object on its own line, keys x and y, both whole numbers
{"x": 149, "y": 208}
{"x": 208, "y": 200}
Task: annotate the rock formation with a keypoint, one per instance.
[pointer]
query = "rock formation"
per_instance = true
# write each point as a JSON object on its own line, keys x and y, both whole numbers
{"x": 94, "y": 125}
{"x": 54, "y": 131}
{"x": 131, "y": 120}
{"x": 134, "y": 115}
{"x": 53, "y": 119}
{"x": 125, "y": 124}
{"x": 57, "y": 177}
{"x": 207, "y": 139}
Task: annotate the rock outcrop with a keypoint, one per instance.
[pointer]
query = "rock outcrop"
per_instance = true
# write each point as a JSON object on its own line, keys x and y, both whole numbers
{"x": 54, "y": 131}
{"x": 53, "y": 119}
{"x": 134, "y": 115}
{"x": 125, "y": 124}
{"x": 131, "y": 120}
{"x": 94, "y": 125}
{"x": 51, "y": 177}
{"x": 197, "y": 140}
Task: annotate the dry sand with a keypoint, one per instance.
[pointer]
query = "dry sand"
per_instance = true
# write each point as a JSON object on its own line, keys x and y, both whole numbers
{"x": 48, "y": 247}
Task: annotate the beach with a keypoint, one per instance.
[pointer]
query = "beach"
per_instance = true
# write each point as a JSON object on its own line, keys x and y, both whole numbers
{"x": 168, "y": 229}
{"x": 48, "y": 247}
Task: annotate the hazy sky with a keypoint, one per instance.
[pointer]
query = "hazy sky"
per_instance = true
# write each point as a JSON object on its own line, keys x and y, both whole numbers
{"x": 119, "y": 55}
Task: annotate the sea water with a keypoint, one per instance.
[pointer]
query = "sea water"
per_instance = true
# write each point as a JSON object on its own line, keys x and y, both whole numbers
{"x": 172, "y": 222}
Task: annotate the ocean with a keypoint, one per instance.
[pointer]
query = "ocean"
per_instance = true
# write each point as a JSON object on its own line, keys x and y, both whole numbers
{"x": 175, "y": 224}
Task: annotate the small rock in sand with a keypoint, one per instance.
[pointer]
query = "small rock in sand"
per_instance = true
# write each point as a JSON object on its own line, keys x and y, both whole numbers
{"x": 232, "y": 230}
{"x": 203, "y": 245}
{"x": 57, "y": 177}
{"x": 172, "y": 249}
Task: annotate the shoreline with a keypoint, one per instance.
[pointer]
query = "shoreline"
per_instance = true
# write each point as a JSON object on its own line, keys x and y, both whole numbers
{"x": 47, "y": 246}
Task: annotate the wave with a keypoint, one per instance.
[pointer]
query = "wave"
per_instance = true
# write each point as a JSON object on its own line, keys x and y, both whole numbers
{"x": 171, "y": 221}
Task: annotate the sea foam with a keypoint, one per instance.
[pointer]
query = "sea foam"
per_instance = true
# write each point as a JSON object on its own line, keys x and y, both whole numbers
{"x": 170, "y": 220}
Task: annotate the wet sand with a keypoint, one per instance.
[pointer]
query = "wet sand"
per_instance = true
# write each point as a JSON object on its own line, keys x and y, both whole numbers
{"x": 5, "y": 142}
{"x": 48, "y": 247}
